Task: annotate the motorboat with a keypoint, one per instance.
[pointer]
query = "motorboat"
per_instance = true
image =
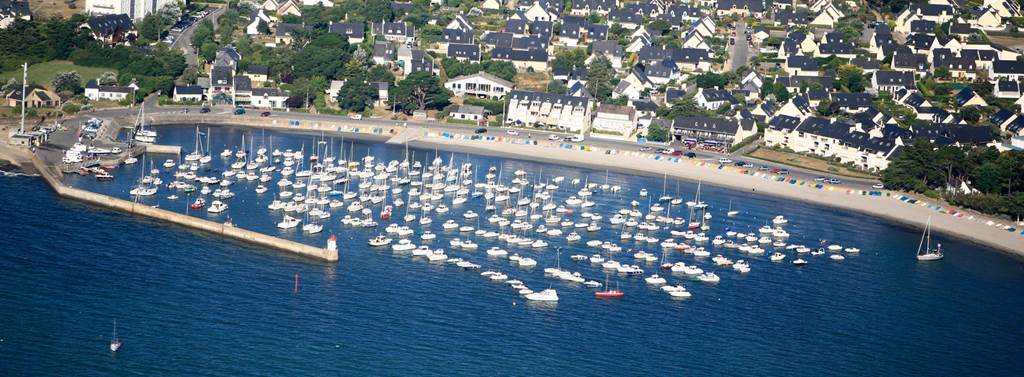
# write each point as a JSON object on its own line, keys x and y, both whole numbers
{"x": 548, "y": 295}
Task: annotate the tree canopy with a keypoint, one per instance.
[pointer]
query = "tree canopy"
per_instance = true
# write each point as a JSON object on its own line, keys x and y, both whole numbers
{"x": 419, "y": 91}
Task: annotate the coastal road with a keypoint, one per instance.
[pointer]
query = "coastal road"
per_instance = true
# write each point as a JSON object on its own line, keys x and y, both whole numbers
{"x": 739, "y": 53}
{"x": 795, "y": 172}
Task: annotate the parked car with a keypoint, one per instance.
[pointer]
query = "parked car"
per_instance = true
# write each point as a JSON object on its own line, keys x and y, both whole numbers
{"x": 356, "y": 116}
{"x": 819, "y": 179}
{"x": 512, "y": 132}
{"x": 878, "y": 186}
{"x": 554, "y": 138}
{"x": 724, "y": 160}
{"x": 646, "y": 149}
{"x": 265, "y": 114}
{"x": 784, "y": 171}
{"x": 480, "y": 131}
{"x": 739, "y": 163}
{"x": 776, "y": 170}
{"x": 677, "y": 153}
{"x": 834, "y": 181}
{"x": 577, "y": 138}
{"x": 204, "y": 110}
{"x": 763, "y": 168}
{"x": 691, "y": 155}
{"x": 239, "y": 111}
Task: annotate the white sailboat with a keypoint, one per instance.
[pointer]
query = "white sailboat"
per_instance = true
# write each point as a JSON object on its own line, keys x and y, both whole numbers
{"x": 925, "y": 252}
{"x": 115, "y": 344}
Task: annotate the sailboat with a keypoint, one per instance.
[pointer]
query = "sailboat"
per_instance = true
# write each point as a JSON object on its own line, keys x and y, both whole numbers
{"x": 925, "y": 252}
{"x": 141, "y": 134}
{"x": 731, "y": 213}
{"x": 608, "y": 292}
{"x": 115, "y": 344}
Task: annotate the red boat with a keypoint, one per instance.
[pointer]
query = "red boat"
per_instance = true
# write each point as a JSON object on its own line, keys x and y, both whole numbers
{"x": 609, "y": 294}
{"x": 386, "y": 213}
{"x": 199, "y": 203}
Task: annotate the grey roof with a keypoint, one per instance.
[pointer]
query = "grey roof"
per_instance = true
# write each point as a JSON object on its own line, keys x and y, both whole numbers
{"x": 92, "y": 84}
{"x": 706, "y": 124}
{"x": 471, "y": 52}
{"x": 751, "y": 5}
{"x": 552, "y": 98}
{"x": 1008, "y": 67}
{"x": 258, "y": 70}
{"x": 188, "y": 90}
{"x": 852, "y": 100}
{"x": 110, "y": 24}
{"x": 900, "y": 78}
{"x": 530, "y": 42}
{"x": 501, "y": 39}
{"x": 922, "y": 26}
{"x": 394, "y": 29}
{"x": 469, "y": 109}
{"x": 349, "y": 29}
{"x": 624, "y": 16}
{"x": 269, "y": 92}
{"x": 716, "y": 95}
{"x": 597, "y": 32}
{"x": 221, "y": 76}
{"x": 456, "y": 36}
{"x": 802, "y": 62}
{"x": 966, "y": 94}
{"x": 243, "y": 84}
{"x": 607, "y": 47}
{"x": 533, "y": 55}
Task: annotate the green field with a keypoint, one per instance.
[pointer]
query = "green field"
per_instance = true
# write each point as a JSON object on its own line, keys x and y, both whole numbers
{"x": 43, "y": 73}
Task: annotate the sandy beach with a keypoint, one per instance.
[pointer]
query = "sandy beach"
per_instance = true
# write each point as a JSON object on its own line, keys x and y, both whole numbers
{"x": 888, "y": 207}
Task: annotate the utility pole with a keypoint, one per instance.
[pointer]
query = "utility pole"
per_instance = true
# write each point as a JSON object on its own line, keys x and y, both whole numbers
{"x": 24, "y": 88}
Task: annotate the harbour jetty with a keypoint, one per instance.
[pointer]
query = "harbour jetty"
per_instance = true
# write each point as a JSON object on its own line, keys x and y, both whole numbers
{"x": 52, "y": 177}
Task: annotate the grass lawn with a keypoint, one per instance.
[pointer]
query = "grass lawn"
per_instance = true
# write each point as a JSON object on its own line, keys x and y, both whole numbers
{"x": 794, "y": 159}
{"x": 532, "y": 81}
{"x": 43, "y": 73}
{"x": 42, "y": 9}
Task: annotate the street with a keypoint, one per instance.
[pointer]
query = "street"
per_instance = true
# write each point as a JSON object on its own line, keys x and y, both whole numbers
{"x": 183, "y": 41}
{"x": 739, "y": 53}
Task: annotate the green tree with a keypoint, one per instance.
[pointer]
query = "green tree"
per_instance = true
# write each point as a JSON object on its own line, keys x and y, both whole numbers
{"x": 68, "y": 82}
{"x": 599, "y": 78}
{"x": 851, "y": 78}
{"x": 208, "y": 51}
{"x": 323, "y": 56}
{"x": 657, "y": 133}
{"x": 420, "y": 91}
{"x": 107, "y": 78}
{"x": 556, "y": 86}
{"x": 711, "y": 80}
{"x": 203, "y": 34}
{"x": 971, "y": 114}
{"x": 151, "y": 27}
{"x": 356, "y": 95}
{"x": 377, "y": 11}
{"x": 569, "y": 59}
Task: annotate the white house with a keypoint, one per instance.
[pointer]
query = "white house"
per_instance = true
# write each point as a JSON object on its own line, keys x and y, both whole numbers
{"x": 614, "y": 122}
{"x": 96, "y": 92}
{"x": 480, "y": 84}
{"x": 268, "y": 98}
{"x": 470, "y": 113}
{"x": 571, "y": 114}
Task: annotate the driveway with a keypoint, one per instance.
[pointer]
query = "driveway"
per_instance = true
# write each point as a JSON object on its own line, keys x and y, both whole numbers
{"x": 183, "y": 41}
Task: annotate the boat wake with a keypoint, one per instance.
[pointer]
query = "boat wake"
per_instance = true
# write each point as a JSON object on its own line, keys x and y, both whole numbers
{"x": 16, "y": 174}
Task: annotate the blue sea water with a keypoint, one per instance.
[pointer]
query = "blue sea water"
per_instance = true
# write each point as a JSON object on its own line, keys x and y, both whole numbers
{"x": 191, "y": 303}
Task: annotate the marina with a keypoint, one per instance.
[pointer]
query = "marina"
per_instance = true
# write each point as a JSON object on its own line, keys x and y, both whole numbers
{"x": 704, "y": 300}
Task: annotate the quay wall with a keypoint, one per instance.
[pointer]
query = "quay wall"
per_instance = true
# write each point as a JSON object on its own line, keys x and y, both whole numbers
{"x": 372, "y": 132}
{"x": 163, "y": 149}
{"x": 52, "y": 178}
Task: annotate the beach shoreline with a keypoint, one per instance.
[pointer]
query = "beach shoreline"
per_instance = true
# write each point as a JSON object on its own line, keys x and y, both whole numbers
{"x": 913, "y": 216}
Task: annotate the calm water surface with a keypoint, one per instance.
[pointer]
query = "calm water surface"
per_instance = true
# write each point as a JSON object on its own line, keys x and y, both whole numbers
{"x": 189, "y": 303}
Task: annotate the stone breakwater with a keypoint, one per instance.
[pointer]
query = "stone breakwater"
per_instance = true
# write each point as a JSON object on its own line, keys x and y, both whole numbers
{"x": 52, "y": 177}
